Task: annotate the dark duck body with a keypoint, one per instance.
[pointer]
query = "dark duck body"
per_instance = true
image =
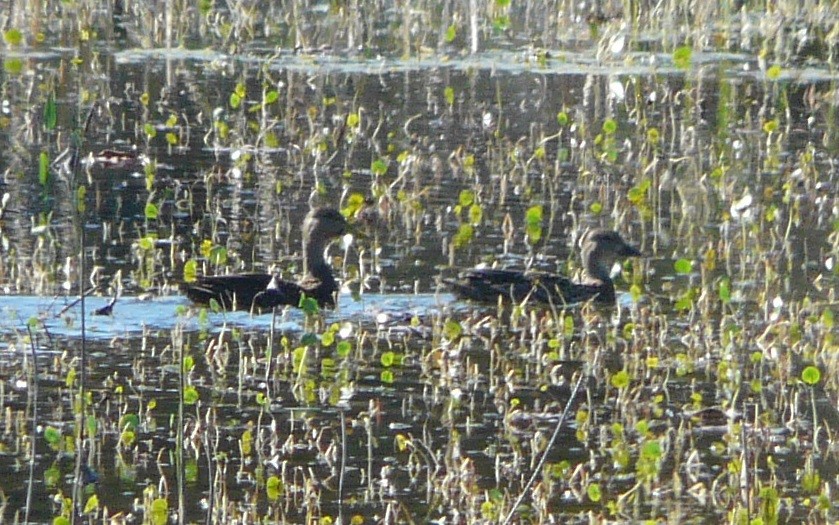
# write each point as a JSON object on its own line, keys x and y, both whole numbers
{"x": 600, "y": 250}
{"x": 262, "y": 291}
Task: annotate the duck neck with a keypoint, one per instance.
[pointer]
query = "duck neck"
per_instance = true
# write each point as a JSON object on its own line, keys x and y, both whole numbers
{"x": 313, "y": 261}
{"x": 596, "y": 266}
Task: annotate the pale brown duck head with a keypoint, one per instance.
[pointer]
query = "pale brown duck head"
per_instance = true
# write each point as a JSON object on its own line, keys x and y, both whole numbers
{"x": 600, "y": 250}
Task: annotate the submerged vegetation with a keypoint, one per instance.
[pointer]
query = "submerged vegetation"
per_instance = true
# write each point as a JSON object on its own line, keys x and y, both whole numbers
{"x": 172, "y": 140}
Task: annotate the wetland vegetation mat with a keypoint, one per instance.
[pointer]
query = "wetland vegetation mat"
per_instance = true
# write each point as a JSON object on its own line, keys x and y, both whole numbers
{"x": 146, "y": 144}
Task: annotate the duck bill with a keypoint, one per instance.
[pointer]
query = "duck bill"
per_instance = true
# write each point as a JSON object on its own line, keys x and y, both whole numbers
{"x": 630, "y": 251}
{"x": 359, "y": 230}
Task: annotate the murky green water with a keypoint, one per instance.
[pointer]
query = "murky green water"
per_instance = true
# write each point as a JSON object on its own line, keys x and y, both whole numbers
{"x": 404, "y": 404}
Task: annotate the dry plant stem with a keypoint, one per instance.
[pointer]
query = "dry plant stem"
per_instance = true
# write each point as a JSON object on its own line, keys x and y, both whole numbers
{"x": 179, "y": 443}
{"x": 270, "y": 361}
{"x": 747, "y": 500}
{"x": 342, "y": 467}
{"x": 368, "y": 428}
{"x": 33, "y": 433}
{"x": 541, "y": 463}
{"x": 75, "y": 302}
{"x": 80, "y": 419}
{"x": 211, "y": 416}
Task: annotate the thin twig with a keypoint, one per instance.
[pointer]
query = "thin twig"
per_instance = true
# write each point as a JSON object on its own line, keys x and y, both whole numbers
{"x": 33, "y": 433}
{"x": 78, "y": 209}
{"x": 538, "y": 469}
{"x": 210, "y": 454}
{"x": 75, "y": 301}
{"x": 343, "y": 468}
{"x": 179, "y": 439}
{"x": 745, "y": 485}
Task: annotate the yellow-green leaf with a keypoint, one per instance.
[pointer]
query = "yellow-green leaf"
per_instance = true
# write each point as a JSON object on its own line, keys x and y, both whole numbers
{"x": 13, "y": 37}
{"x": 811, "y": 375}
{"x": 190, "y": 395}
{"x": 274, "y": 488}
{"x": 159, "y": 511}
{"x": 91, "y": 505}
{"x": 682, "y": 57}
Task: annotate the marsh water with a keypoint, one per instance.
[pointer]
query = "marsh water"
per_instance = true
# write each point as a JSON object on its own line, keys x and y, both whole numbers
{"x": 472, "y": 134}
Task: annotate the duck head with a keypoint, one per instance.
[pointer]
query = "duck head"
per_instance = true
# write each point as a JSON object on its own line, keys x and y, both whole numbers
{"x": 323, "y": 224}
{"x": 601, "y": 249}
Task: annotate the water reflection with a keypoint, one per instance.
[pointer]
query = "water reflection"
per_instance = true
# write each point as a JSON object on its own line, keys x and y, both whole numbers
{"x": 133, "y": 316}
{"x": 428, "y": 396}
